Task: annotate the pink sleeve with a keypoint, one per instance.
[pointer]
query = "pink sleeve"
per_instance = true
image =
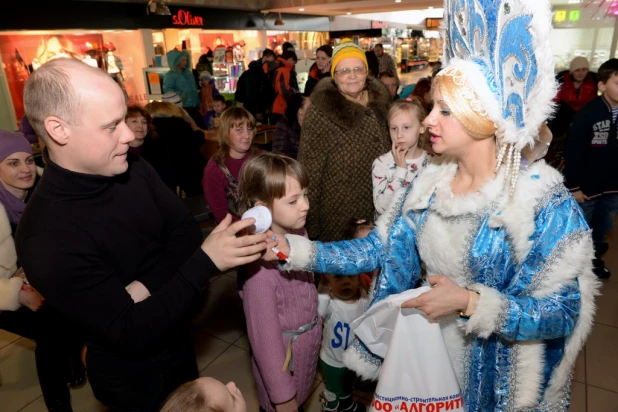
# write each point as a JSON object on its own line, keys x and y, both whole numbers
{"x": 264, "y": 330}
{"x": 214, "y": 184}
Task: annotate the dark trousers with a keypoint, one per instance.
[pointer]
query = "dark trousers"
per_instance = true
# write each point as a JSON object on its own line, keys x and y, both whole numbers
{"x": 55, "y": 345}
{"x": 126, "y": 384}
{"x": 600, "y": 214}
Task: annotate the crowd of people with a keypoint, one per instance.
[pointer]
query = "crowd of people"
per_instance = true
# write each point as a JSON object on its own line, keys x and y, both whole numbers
{"x": 370, "y": 194}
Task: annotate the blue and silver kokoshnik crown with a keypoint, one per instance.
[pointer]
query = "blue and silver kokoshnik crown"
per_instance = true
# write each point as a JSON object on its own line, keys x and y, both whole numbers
{"x": 502, "y": 49}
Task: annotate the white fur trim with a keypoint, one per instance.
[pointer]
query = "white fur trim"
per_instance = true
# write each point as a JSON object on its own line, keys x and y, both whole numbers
{"x": 588, "y": 288}
{"x": 455, "y": 344}
{"x": 517, "y": 212}
{"x": 355, "y": 362}
{"x": 489, "y": 307}
{"x": 9, "y": 293}
{"x": 300, "y": 253}
{"x": 529, "y": 376}
{"x": 440, "y": 169}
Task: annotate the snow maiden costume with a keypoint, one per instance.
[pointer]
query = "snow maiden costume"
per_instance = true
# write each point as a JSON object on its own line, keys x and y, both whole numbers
{"x": 521, "y": 241}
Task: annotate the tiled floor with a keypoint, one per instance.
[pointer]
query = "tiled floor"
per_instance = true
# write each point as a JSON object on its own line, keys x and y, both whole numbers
{"x": 223, "y": 352}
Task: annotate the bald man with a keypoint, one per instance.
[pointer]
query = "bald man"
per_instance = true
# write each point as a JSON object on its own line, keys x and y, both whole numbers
{"x": 110, "y": 246}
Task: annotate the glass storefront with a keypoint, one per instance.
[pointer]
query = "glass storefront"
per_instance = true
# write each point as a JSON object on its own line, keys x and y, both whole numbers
{"x": 120, "y": 53}
{"x": 579, "y": 33}
{"x": 233, "y": 49}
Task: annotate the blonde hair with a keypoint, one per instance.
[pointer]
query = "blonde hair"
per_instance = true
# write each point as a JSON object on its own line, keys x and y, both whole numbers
{"x": 411, "y": 106}
{"x": 232, "y": 117}
{"x": 50, "y": 92}
{"x": 461, "y": 99}
{"x": 164, "y": 109}
{"x": 263, "y": 178}
{"x": 189, "y": 397}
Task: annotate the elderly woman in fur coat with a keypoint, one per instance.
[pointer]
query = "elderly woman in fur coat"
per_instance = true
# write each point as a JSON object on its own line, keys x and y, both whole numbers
{"x": 344, "y": 130}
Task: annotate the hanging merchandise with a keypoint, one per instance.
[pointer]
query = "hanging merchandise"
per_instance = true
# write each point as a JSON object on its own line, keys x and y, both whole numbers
{"x": 416, "y": 374}
{"x": 219, "y": 57}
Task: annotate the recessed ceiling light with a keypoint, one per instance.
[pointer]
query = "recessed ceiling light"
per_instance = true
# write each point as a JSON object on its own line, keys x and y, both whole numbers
{"x": 301, "y": 9}
{"x": 430, "y": 8}
{"x": 397, "y": 1}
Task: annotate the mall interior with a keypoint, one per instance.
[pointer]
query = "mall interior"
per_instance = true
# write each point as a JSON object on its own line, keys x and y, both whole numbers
{"x": 127, "y": 41}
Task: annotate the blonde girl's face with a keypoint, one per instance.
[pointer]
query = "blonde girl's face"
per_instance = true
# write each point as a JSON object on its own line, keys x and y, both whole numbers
{"x": 290, "y": 211}
{"x": 241, "y": 137}
{"x": 405, "y": 129}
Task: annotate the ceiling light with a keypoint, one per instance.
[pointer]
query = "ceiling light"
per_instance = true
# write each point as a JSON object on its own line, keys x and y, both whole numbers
{"x": 279, "y": 21}
{"x": 430, "y": 8}
{"x": 301, "y": 9}
{"x": 348, "y": 13}
{"x": 397, "y": 1}
{"x": 158, "y": 7}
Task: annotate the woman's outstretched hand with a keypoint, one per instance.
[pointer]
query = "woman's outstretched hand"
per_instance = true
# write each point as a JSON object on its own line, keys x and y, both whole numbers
{"x": 279, "y": 243}
{"x": 227, "y": 250}
{"x": 445, "y": 297}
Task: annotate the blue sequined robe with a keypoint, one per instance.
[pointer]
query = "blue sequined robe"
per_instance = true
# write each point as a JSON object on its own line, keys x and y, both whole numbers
{"x": 529, "y": 256}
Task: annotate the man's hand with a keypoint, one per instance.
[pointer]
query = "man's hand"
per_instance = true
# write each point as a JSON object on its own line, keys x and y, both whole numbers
{"x": 289, "y": 406}
{"x": 31, "y": 299}
{"x": 580, "y": 196}
{"x": 445, "y": 298}
{"x": 138, "y": 291}
{"x": 227, "y": 250}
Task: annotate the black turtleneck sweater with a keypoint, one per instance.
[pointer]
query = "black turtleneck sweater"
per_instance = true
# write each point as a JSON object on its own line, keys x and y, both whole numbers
{"x": 83, "y": 238}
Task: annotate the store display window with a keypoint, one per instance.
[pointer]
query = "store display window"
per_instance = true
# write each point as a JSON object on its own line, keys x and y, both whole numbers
{"x": 233, "y": 50}
{"x": 118, "y": 53}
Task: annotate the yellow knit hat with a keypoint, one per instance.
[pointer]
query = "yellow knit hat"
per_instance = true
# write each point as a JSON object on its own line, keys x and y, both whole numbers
{"x": 346, "y": 49}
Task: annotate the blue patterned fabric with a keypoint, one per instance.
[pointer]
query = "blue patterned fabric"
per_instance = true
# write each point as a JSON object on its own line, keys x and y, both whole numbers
{"x": 490, "y": 368}
{"x": 492, "y": 364}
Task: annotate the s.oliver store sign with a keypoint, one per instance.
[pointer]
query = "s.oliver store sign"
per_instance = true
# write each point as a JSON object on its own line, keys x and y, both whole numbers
{"x": 184, "y": 18}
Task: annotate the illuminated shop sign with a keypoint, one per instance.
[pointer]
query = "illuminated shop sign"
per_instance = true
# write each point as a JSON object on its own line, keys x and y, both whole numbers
{"x": 184, "y": 18}
{"x": 561, "y": 16}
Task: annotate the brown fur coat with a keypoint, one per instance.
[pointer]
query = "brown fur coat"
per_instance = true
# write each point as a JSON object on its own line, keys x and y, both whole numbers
{"x": 339, "y": 141}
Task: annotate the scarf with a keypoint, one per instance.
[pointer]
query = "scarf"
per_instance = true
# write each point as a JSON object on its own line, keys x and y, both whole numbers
{"x": 364, "y": 100}
{"x": 14, "y": 207}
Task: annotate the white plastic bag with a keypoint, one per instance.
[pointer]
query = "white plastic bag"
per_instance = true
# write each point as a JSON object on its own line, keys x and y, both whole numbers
{"x": 417, "y": 374}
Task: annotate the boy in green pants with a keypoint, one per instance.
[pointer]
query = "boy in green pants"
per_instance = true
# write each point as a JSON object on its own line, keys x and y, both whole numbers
{"x": 341, "y": 301}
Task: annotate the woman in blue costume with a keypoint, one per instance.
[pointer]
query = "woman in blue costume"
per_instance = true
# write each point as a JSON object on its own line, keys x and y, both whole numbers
{"x": 505, "y": 245}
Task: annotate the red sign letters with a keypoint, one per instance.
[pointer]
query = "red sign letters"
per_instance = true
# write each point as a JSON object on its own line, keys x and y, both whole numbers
{"x": 184, "y": 18}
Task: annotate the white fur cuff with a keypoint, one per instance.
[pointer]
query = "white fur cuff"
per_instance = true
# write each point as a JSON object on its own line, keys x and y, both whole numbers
{"x": 300, "y": 253}
{"x": 486, "y": 318}
{"x": 9, "y": 293}
{"x": 356, "y": 362}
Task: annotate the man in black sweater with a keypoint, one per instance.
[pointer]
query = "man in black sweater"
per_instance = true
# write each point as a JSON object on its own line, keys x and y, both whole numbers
{"x": 110, "y": 246}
